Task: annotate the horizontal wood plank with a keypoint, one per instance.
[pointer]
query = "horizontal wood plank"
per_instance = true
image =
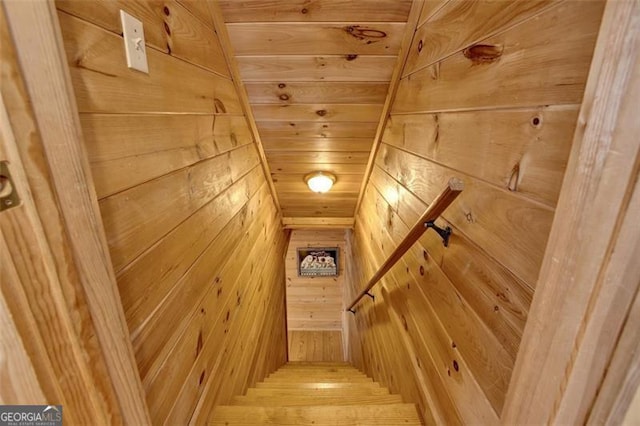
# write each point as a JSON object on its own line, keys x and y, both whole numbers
{"x": 310, "y": 129}
{"x": 326, "y": 210}
{"x": 319, "y": 10}
{"x": 338, "y": 169}
{"x": 300, "y": 187}
{"x": 317, "y": 144}
{"x": 312, "y": 222}
{"x": 351, "y": 113}
{"x": 313, "y": 157}
{"x": 316, "y": 92}
{"x": 305, "y": 38}
{"x": 352, "y": 180}
{"x": 316, "y": 68}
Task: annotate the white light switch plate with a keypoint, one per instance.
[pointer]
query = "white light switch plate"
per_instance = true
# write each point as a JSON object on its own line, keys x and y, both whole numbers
{"x": 134, "y": 46}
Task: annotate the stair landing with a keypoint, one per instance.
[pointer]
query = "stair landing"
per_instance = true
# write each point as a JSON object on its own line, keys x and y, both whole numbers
{"x": 319, "y": 393}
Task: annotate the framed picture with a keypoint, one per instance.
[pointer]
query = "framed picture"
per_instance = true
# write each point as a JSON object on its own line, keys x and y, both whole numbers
{"x": 318, "y": 262}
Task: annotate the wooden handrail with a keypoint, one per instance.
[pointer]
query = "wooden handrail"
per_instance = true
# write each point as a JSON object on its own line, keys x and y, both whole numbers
{"x": 435, "y": 209}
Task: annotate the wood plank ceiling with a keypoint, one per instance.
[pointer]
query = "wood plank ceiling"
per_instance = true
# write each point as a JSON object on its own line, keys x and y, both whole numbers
{"x": 316, "y": 74}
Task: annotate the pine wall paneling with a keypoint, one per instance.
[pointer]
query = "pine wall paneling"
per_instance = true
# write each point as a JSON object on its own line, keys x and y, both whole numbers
{"x": 317, "y": 75}
{"x": 194, "y": 235}
{"x": 495, "y": 103}
{"x": 314, "y": 304}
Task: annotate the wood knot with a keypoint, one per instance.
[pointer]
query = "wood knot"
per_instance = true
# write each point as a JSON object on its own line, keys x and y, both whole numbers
{"x": 199, "y": 343}
{"x": 425, "y": 255}
{"x": 166, "y": 11}
{"x": 362, "y": 33}
{"x": 483, "y": 53}
{"x": 304, "y": 11}
{"x": 434, "y": 71}
{"x": 455, "y": 365}
{"x": 284, "y": 97}
{"x": 282, "y": 85}
{"x": 453, "y": 345}
{"x": 420, "y": 46}
{"x": 201, "y": 378}
{"x": 321, "y": 112}
{"x": 469, "y": 217}
{"x": 514, "y": 178}
{"x": 351, "y": 57}
{"x": 536, "y": 121}
{"x": 167, "y": 29}
{"x": 219, "y": 106}
{"x": 421, "y": 270}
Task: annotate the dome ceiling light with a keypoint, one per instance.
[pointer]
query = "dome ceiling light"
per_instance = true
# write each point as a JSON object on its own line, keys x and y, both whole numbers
{"x": 320, "y": 182}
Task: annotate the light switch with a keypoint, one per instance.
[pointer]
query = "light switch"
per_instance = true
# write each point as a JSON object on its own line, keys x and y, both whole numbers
{"x": 134, "y": 46}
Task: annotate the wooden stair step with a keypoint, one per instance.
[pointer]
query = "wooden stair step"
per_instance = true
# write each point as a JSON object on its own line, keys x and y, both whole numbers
{"x": 355, "y": 374}
{"x": 320, "y": 392}
{"x": 322, "y": 379}
{"x": 318, "y": 368}
{"x": 279, "y": 400}
{"x": 313, "y": 370}
{"x": 389, "y": 414}
{"x": 312, "y": 364}
{"x": 316, "y": 385}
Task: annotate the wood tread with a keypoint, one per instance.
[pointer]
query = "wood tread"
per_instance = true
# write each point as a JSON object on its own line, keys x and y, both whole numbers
{"x": 316, "y": 394}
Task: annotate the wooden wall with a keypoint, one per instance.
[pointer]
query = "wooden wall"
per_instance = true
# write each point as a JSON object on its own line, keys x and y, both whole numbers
{"x": 314, "y": 346}
{"x": 490, "y": 93}
{"x": 194, "y": 236}
{"x": 63, "y": 335}
{"x": 314, "y": 303}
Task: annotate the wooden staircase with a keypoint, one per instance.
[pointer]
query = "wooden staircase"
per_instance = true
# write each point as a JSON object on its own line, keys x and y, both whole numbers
{"x": 318, "y": 393}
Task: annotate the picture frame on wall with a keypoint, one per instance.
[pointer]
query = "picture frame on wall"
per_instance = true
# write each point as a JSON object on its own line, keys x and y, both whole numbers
{"x": 318, "y": 261}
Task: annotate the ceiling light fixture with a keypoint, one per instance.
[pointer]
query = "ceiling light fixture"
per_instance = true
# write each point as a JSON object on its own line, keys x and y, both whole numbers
{"x": 320, "y": 181}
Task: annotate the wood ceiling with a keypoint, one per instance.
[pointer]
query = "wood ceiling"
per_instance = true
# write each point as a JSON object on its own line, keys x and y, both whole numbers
{"x": 317, "y": 74}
